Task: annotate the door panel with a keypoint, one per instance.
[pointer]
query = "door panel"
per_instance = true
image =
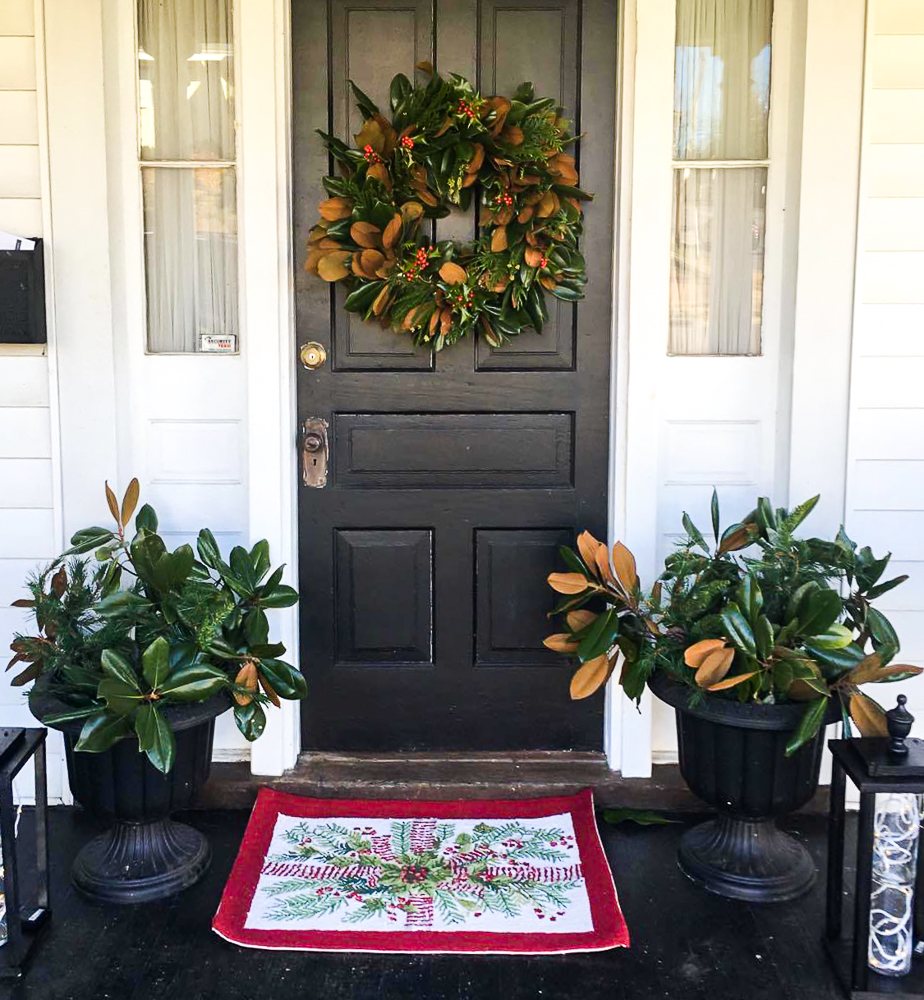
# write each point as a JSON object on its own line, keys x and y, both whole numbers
{"x": 454, "y": 479}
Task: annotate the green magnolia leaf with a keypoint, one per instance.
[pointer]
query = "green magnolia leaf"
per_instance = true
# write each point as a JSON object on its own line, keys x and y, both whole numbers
{"x": 122, "y": 602}
{"x": 155, "y": 662}
{"x": 146, "y": 549}
{"x": 714, "y": 511}
{"x": 260, "y": 558}
{"x": 208, "y": 549}
{"x": 643, "y": 817}
{"x": 881, "y": 629}
{"x": 695, "y": 534}
{"x": 270, "y": 649}
{"x": 600, "y": 636}
{"x": 155, "y": 737}
{"x": 835, "y": 662}
{"x": 89, "y": 538}
{"x": 738, "y": 630}
{"x": 146, "y": 519}
{"x": 195, "y": 682}
{"x": 120, "y": 698}
{"x": 763, "y": 637}
{"x": 572, "y": 560}
{"x": 103, "y": 730}
{"x": 250, "y": 720}
{"x": 366, "y": 105}
{"x": 634, "y": 676}
{"x": 808, "y": 726}
{"x": 835, "y": 637}
{"x": 242, "y": 568}
{"x": 884, "y": 588}
{"x": 279, "y": 597}
{"x": 750, "y": 599}
{"x": 117, "y": 667}
{"x": 766, "y": 516}
{"x": 783, "y": 675}
{"x": 284, "y": 679}
{"x": 273, "y": 582}
{"x": 181, "y": 565}
{"x": 818, "y": 611}
{"x": 256, "y": 627}
{"x": 83, "y": 712}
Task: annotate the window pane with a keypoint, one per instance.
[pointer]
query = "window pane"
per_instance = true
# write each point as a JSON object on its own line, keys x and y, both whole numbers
{"x": 722, "y": 79}
{"x": 186, "y": 79}
{"x": 717, "y": 260}
{"x": 190, "y": 250}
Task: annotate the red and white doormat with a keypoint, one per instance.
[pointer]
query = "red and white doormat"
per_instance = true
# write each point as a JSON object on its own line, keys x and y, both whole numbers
{"x": 521, "y": 876}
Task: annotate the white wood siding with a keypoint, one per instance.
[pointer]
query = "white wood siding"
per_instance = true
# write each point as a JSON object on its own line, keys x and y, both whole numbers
{"x": 29, "y": 535}
{"x": 885, "y": 484}
{"x": 20, "y": 174}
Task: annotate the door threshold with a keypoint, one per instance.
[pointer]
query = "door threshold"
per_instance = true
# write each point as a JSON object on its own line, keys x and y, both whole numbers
{"x": 466, "y": 775}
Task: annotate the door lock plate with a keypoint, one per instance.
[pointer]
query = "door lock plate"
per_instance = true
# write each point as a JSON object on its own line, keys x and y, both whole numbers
{"x": 314, "y": 453}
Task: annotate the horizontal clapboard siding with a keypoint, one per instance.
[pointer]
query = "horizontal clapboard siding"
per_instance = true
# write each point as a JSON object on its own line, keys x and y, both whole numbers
{"x": 27, "y": 496}
{"x": 885, "y": 502}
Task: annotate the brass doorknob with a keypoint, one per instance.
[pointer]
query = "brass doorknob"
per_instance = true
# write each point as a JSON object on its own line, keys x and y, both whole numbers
{"x": 313, "y": 355}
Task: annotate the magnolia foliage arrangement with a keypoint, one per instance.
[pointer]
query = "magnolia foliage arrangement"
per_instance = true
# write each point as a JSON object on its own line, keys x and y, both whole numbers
{"x": 140, "y": 628}
{"x": 443, "y": 142}
{"x": 769, "y": 627}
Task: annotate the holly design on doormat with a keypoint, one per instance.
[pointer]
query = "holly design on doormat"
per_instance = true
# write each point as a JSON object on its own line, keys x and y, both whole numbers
{"x": 413, "y": 874}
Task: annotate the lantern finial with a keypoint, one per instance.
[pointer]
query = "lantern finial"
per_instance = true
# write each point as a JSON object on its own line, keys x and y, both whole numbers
{"x": 899, "y": 721}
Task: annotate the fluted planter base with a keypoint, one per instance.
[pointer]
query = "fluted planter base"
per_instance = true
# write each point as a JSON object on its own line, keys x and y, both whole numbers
{"x": 746, "y": 859}
{"x": 141, "y": 862}
{"x": 733, "y": 757}
{"x": 144, "y": 855}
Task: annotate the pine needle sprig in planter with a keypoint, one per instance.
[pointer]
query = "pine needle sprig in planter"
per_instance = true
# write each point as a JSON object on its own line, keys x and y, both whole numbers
{"x": 141, "y": 628}
{"x": 758, "y": 615}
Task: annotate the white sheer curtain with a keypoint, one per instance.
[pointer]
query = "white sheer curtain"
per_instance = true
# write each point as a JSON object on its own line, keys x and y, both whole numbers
{"x": 721, "y": 111}
{"x": 186, "y": 115}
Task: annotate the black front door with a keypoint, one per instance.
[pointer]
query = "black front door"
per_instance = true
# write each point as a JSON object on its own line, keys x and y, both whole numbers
{"x": 453, "y": 479}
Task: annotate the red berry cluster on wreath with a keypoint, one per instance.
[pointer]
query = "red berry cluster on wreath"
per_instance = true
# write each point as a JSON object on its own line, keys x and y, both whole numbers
{"x": 407, "y": 142}
{"x": 504, "y": 199}
{"x": 462, "y": 299}
{"x": 421, "y": 259}
{"x": 466, "y": 109}
{"x": 370, "y": 155}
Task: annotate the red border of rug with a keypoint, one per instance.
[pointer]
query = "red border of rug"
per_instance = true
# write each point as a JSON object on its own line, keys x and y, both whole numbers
{"x": 609, "y": 931}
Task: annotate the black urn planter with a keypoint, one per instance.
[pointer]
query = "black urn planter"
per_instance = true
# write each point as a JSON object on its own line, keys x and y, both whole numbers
{"x": 145, "y": 855}
{"x": 733, "y": 757}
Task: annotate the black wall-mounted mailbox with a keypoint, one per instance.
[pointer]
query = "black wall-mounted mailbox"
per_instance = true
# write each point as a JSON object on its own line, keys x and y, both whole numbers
{"x": 22, "y": 296}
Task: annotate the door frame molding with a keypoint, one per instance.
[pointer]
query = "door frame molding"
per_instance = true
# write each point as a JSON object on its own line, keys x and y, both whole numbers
{"x": 266, "y": 172}
{"x": 266, "y": 261}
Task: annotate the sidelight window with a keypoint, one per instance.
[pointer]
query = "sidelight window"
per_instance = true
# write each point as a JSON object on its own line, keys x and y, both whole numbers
{"x": 720, "y": 166}
{"x": 188, "y": 174}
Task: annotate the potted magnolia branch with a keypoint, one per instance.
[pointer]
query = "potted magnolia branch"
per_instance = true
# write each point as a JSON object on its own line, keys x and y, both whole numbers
{"x": 756, "y": 641}
{"x": 138, "y": 650}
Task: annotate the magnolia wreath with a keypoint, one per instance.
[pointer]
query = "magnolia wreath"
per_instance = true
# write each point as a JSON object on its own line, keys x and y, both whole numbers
{"x": 445, "y": 139}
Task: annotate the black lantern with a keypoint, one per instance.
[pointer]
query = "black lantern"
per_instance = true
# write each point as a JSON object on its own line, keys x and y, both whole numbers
{"x": 887, "y": 842}
{"x": 23, "y": 919}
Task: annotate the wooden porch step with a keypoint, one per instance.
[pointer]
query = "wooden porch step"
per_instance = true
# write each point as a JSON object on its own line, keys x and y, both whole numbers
{"x": 453, "y": 776}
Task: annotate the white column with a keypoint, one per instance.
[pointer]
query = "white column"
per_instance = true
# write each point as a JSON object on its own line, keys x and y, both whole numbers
{"x": 80, "y": 246}
{"x": 827, "y": 252}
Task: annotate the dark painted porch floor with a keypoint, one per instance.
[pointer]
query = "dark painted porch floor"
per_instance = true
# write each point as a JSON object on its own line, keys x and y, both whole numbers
{"x": 686, "y": 944}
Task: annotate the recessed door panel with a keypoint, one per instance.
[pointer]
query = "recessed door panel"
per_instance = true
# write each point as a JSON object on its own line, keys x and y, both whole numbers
{"x": 383, "y": 596}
